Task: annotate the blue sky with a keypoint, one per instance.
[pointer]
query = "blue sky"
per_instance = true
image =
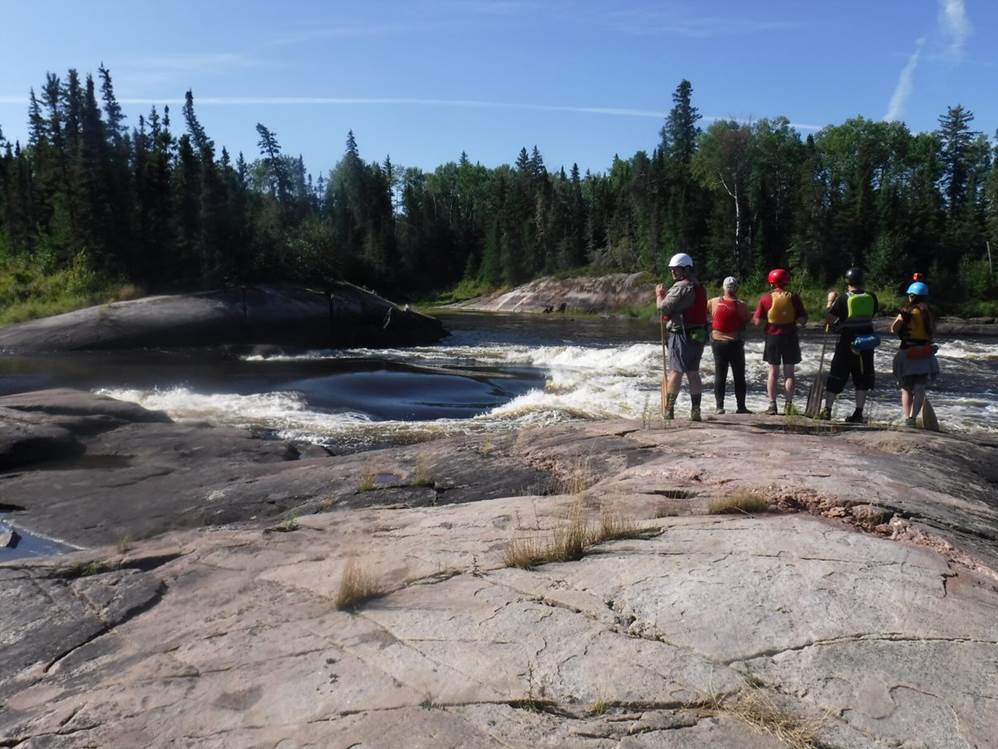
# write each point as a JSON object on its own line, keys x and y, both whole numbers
{"x": 422, "y": 80}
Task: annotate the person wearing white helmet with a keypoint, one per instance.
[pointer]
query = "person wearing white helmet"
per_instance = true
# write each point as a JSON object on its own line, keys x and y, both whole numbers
{"x": 915, "y": 363}
{"x": 684, "y": 309}
{"x": 728, "y": 317}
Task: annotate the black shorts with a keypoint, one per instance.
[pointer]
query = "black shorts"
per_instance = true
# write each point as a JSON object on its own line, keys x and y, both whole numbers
{"x": 782, "y": 349}
{"x": 846, "y": 364}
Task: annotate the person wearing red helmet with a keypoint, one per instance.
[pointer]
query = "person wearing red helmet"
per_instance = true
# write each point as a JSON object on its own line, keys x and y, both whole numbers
{"x": 782, "y": 312}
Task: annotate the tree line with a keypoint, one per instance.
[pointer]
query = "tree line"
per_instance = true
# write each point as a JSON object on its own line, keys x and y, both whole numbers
{"x": 158, "y": 203}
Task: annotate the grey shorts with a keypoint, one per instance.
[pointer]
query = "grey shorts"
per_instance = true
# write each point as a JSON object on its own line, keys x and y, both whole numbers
{"x": 684, "y": 353}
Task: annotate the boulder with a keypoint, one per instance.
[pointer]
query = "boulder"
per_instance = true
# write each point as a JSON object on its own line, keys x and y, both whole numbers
{"x": 244, "y": 316}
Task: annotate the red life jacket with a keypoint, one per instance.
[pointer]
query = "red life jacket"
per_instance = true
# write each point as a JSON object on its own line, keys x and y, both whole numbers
{"x": 726, "y": 318}
{"x": 697, "y": 314}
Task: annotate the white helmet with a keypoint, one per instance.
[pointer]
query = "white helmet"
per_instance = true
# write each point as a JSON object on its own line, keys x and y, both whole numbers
{"x": 730, "y": 283}
{"x": 681, "y": 260}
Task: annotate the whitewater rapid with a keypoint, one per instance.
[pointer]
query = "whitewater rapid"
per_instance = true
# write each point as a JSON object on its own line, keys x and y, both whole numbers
{"x": 590, "y": 380}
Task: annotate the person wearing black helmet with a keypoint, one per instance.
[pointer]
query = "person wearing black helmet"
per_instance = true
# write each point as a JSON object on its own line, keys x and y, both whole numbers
{"x": 851, "y": 314}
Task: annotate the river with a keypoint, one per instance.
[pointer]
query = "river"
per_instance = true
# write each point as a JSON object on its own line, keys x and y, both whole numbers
{"x": 495, "y": 372}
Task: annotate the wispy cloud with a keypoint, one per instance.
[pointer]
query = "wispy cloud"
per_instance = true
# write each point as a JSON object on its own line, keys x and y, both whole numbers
{"x": 660, "y": 21}
{"x": 347, "y": 32}
{"x": 195, "y": 63}
{"x": 245, "y": 101}
{"x": 905, "y": 84}
{"x": 955, "y": 26}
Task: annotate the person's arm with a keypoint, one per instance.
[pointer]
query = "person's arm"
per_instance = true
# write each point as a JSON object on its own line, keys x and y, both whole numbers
{"x": 897, "y": 324}
{"x": 679, "y": 299}
{"x": 831, "y": 317}
{"x": 760, "y": 312}
{"x": 800, "y": 310}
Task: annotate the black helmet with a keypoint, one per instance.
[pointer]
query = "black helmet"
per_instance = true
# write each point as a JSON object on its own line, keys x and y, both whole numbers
{"x": 854, "y": 276}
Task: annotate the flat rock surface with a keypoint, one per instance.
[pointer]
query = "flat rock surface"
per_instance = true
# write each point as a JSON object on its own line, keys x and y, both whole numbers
{"x": 810, "y": 622}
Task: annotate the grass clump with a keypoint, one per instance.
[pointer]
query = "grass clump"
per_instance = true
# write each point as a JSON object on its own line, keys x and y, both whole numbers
{"x": 569, "y": 542}
{"x": 754, "y": 707}
{"x": 578, "y": 478}
{"x": 357, "y": 585}
{"x": 124, "y": 545}
{"x": 743, "y": 502}
{"x": 288, "y": 525}
{"x": 367, "y": 480}
{"x": 422, "y": 475}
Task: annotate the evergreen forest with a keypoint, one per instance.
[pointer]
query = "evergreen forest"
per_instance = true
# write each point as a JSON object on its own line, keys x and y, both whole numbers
{"x": 91, "y": 199}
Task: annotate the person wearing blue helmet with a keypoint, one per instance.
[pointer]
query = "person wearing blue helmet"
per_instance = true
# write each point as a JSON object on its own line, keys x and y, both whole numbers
{"x": 915, "y": 363}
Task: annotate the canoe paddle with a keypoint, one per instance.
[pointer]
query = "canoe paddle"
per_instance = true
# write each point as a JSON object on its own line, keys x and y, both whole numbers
{"x": 817, "y": 391}
{"x": 929, "y": 420}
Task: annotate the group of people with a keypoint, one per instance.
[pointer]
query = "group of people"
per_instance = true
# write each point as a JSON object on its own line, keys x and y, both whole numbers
{"x": 692, "y": 319}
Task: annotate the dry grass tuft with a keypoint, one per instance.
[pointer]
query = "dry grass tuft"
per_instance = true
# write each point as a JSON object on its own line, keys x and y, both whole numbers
{"x": 743, "y": 501}
{"x": 578, "y": 478}
{"x": 614, "y": 526}
{"x": 357, "y": 586}
{"x": 569, "y": 542}
{"x": 366, "y": 481}
{"x": 422, "y": 475}
{"x": 754, "y": 707}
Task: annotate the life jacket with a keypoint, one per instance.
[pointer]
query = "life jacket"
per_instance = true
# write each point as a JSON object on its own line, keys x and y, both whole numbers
{"x": 781, "y": 311}
{"x": 917, "y": 325}
{"x": 859, "y": 309}
{"x": 725, "y": 317}
{"x": 696, "y": 315}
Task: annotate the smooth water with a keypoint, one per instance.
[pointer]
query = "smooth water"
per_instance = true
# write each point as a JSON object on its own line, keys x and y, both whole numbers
{"x": 495, "y": 372}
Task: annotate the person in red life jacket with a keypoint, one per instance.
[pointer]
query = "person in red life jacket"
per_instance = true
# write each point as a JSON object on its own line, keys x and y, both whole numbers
{"x": 728, "y": 317}
{"x": 782, "y": 312}
{"x": 685, "y": 309}
{"x": 915, "y": 363}
{"x": 851, "y": 314}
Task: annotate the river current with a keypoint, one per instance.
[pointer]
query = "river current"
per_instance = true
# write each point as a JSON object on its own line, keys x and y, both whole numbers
{"x": 495, "y": 372}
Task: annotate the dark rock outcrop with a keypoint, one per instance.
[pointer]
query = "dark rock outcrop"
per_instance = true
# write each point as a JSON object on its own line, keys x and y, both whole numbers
{"x": 349, "y": 316}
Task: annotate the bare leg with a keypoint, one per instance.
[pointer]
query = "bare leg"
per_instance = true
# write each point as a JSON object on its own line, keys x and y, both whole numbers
{"x": 917, "y": 399}
{"x": 771, "y": 382}
{"x": 675, "y": 382}
{"x": 906, "y": 402}
{"x": 860, "y": 399}
{"x": 789, "y": 381}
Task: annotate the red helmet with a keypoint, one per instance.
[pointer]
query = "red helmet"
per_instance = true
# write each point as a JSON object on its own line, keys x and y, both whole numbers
{"x": 779, "y": 277}
{"x": 917, "y": 276}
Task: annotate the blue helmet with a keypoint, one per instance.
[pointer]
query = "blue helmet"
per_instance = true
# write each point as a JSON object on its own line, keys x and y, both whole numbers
{"x": 919, "y": 289}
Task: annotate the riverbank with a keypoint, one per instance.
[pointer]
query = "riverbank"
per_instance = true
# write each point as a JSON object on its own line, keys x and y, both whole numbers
{"x": 846, "y": 604}
{"x": 632, "y": 295}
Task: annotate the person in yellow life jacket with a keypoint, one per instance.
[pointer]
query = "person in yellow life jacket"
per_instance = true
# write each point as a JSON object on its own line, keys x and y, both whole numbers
{"x": 684, "y": 307}
{"x": 728, "y": 317}
{"x": 915, "y": 363}
{"x": 851, "y": 314}
{"x": 782, "y": 312}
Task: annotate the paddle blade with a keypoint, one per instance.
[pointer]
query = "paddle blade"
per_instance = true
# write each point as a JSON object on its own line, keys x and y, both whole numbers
{"x": 814, "y": 396}
{"x": 929, "y": 420}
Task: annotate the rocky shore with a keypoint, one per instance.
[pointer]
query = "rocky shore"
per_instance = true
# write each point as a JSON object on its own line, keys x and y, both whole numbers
{"x": 851, "y": 602}
{"x": 242, "y": 316}
{"x": 617, "y": 292}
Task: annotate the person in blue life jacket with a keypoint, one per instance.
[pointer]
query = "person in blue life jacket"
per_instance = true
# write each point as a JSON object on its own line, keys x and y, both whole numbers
{"x": 782, "y": 312}
{"x": 915, "y": 364}
{"x": 684, "y": 308}
{"x": 851, "y": 315}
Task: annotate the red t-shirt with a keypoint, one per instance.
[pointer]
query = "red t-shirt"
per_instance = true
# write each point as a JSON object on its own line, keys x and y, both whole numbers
{"x": 762, "y": 313}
